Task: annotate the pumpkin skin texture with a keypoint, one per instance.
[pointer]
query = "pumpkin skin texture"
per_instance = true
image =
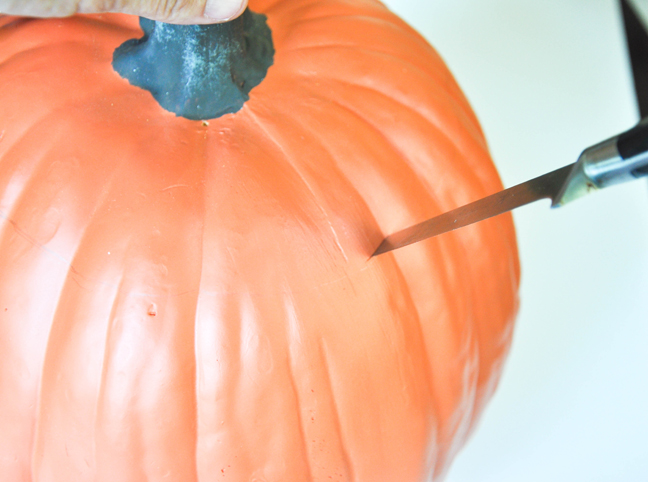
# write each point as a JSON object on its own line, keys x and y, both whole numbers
{"x": 195, "y": 301}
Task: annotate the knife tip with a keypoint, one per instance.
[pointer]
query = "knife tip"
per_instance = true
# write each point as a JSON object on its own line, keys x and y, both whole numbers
{"x": 383, "y": 248}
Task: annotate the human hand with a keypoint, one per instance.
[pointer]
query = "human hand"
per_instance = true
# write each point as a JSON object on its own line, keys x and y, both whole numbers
{"x": 171, "y": 11}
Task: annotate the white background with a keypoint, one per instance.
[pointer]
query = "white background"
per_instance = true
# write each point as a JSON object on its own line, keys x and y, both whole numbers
{"x": 548, "y": 78}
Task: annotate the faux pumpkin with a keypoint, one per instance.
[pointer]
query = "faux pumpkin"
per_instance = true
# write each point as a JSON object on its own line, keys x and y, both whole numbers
{"x": 194, "y": 301}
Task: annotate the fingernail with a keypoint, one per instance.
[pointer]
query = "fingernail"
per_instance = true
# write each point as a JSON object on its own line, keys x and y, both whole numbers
{"x": 224, "y": 9}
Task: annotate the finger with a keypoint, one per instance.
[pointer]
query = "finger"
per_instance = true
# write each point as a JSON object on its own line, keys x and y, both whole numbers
{"x": 172, "y": 11}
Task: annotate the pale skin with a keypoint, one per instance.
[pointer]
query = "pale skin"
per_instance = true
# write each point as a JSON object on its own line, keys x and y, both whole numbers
{"x": 171, "y": 11}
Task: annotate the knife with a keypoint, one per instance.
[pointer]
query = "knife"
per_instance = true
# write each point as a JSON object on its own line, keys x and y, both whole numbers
{"x": 619, "y": 159}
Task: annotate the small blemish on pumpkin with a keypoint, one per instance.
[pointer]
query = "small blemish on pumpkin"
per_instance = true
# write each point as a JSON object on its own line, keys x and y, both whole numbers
{"x": 205, "y": 123}
{"x": 152, "y": 310}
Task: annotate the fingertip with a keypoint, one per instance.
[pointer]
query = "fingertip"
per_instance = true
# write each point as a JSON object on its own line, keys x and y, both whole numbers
{"x": 224, "y": 10}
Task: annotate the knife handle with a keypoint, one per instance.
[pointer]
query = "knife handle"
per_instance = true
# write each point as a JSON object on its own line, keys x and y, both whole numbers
{"x": 633, "y": 144}
{"x": 619, "y": 159}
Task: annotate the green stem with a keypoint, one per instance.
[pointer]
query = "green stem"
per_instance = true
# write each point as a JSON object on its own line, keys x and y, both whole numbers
{"x": 198, "y": 71}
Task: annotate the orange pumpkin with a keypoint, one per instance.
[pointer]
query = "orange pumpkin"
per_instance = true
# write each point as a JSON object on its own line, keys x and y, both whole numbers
{"x": 191, "y": 301}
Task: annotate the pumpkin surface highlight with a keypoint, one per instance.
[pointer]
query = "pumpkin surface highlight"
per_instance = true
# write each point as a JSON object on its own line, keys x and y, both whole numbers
{"x": 195, "y": 301}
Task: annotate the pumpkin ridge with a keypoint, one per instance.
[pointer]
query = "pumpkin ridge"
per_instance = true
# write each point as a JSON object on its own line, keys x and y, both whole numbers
{"x": 451, "y": 89}
{"x": 289, "y": 308}
{"x": 23, "y": 191}
{"x": 387, "y": 90}
{"x": 412, "y": 165}
{"x": 119, "y": 327}
{"x": 348, "y": 275}
{"x": 54, "y": 351}
{"x": 197, "y": 360}
{"x": 400, "y": 28}
{"x": 8, "y": 21}
{"x": 231, "y": 373}
{"x": 73, "y": 273}
{"x": 424, "y": 348}
{"x": 344, "y": 444}
{"x": 6, "y": 62}
{"x": 429, "y": 191}
{"x": 305, "y": 347}
{"x": 102, "y": 382}
{"x": 457, "y": 431}
{"x": 434, "y": 126}
{"x": 335, "y": 160}
{"x": 315, "y": 136}
{"x": 430, "y": 388}
{"x": 40, "y": 51}
{"x": 485, "y": 339}
{"x": 397, "y": 152}
{"x": 310, "y": 9}
{"x": 55, "y": 113}
{"x": 290, "y": 161}
{"x": 30, "y": 239}
{"x": 36, "y": 437}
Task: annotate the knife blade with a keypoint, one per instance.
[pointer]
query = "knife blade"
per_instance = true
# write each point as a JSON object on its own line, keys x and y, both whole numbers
{"x": 616, "y": 160}
{"x": 545, "y": 186}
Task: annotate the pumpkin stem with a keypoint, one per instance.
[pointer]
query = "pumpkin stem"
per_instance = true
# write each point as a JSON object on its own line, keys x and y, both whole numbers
{"x": 198, "y": 71}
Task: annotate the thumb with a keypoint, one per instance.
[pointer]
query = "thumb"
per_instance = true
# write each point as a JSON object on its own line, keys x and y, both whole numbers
{"x": 170, "y": 11}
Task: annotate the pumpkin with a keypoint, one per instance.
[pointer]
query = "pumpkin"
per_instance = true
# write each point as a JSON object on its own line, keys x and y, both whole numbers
{"x": 195, "y": 300}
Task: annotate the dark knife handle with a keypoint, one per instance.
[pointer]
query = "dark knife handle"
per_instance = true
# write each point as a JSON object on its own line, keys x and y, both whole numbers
{"x": 634, "y": 144}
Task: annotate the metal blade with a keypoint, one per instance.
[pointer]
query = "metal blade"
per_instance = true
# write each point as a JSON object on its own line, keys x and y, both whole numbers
{"x": 637, "y": 40}
{"x": 546, "y": 186}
